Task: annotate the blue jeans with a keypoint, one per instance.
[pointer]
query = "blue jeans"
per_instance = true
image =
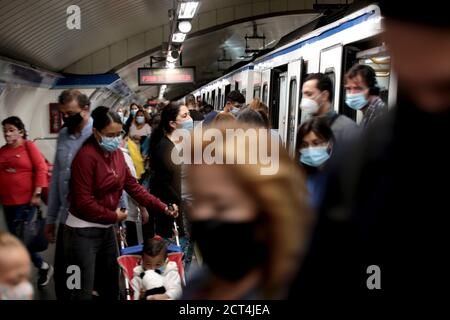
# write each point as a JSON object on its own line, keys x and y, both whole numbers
{"x": 15, "y": 215}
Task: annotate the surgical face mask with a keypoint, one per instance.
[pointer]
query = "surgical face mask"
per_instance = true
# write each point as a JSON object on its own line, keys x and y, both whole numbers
{"x": 133, "y": 112}
{"x": 187, "y": 124}
{"x": 309, "y": 105}
{"x": 140, "y": 119}
{"x": 110, "y": 144}
{"x": 235, "y": 110}
{"x": 356, "y": 101}
{"x": 314, "y": 156}
{"x": 120, "y": 114}
{"x": 238, "y": 255}
{"x": 73, "y": 121}
{"x": 22, "y": 291}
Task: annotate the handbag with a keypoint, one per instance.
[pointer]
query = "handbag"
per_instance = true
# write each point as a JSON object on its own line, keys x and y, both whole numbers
{"x": 32, "y": 232}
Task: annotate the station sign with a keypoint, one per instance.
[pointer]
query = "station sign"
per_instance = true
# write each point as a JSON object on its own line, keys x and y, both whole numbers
{"x": 160, "y": 76}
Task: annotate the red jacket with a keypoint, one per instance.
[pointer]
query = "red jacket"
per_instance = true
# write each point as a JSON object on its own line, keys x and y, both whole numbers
{"x": 21, "y": 171}
{"x": 97, "y": 182}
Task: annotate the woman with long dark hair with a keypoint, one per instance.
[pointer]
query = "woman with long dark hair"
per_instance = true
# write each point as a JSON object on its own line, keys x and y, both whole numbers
{"x": 166, "y": 176}
{"x": 167, "y": 179}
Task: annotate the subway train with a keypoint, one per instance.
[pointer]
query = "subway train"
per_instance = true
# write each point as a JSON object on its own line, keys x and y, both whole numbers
{"x": 276, "y": 77}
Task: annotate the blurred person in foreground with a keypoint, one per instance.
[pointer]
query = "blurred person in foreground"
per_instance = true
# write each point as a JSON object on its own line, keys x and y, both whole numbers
{"x": 383, "y": 228}
{"x": 251, "y": 229}
{"x": 15, "y": 269}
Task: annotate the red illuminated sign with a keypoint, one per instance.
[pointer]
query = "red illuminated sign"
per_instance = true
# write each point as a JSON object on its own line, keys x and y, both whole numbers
{"x": 159, "y": 76}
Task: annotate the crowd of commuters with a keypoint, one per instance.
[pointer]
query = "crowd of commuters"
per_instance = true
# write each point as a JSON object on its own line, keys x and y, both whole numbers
{"x": 312, "y": 229}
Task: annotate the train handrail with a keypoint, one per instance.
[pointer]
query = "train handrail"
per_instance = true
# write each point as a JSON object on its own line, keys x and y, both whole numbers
{"x": 45, "y": 138}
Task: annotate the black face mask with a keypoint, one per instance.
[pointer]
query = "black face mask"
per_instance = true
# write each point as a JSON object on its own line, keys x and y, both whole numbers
{"x": 229, "y": 249}
{"x": 73, "y": 122}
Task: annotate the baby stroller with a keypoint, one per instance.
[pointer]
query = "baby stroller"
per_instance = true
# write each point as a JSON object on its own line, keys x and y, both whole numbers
{"x": 130, "y": 257}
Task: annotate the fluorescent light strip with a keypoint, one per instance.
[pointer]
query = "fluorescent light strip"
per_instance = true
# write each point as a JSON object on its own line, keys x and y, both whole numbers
{"x": 187, "y": 10}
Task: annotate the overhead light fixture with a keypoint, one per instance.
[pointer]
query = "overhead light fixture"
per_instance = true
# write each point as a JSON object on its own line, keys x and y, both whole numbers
{"x": 184, "y": 26}
{"x": 187, "y": 10}
{"x": 178, "y": 37}
{"x": 173, "y": 56}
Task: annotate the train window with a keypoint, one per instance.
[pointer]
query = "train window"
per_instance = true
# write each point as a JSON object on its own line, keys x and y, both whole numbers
{"x": 257, "y": 92}
{"x": 264, "y": 93}
{"x": 330, "y": 73}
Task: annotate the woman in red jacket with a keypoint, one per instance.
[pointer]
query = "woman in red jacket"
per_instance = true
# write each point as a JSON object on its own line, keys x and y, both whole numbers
{"x": 99, "y": 176}
{"x": 23, "y": 174}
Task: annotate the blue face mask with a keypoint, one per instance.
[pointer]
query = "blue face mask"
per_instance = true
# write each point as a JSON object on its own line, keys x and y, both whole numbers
{"x": 161, "y": 269}
{"x": 110, "y": 144}
{"x": 133, "y": 112}
{"x": 140, "y": 119}
{"x": 235, "y": 110}
{"x": 188, "y": 124}
{"x": 356, "y": 101}
{"x": 315, "y": 156}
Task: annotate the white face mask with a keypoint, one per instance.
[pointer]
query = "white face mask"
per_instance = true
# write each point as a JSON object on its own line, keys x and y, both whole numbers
{"x": 309, "y": 106}
{"x": 22, "y": 291}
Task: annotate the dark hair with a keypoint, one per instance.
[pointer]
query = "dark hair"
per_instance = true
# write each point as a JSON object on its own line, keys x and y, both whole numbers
{"x": 251, "y": 117}
{"x": 236, "y": 96}
{"x": 156, "y": 119}
{"x": 16, "y": 122}
{"x": 103, "y": 117}
{"x": 169, "y": 113}
{"x": 133, "y": 104}
{"x": 146, "y": 115}
{"x": 69, "y": 95}
{"x": 323, "y": 83}
{"x": 317, "y": 125}
{"x": 367, "y": 74}
{"x": 207, "y": 108}
{"x": 190, "y": 99}
{"x": 154, "y": 247}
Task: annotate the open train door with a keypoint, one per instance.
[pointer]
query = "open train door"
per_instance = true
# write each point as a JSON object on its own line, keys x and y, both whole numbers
{"x": 331, "y": 65}
{"x": 293, "y": 86}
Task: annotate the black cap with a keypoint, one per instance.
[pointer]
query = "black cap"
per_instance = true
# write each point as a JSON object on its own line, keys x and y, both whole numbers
{"x": 431, "y": 12}
{"x": 236, "y": 96}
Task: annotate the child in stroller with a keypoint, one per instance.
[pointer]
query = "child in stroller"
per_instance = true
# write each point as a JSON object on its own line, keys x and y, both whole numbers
{"x": 156, "y": 278}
